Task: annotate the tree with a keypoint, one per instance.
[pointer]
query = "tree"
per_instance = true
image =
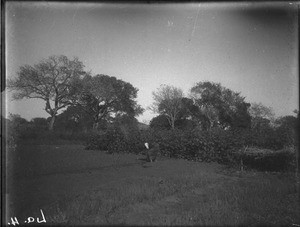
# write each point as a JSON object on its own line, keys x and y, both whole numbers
{"x": 160, "y": 122}
{"x": 51, "y": 80}
{"x": 168, "y": 102}
{"x": 241, "y": 117}
{"x": 127, "y": 124}
{"x": 206, "y": 98}
{"x": 288, "y": 129}
{"x": 184, "y": 119}
{"x": 259, "y": 110}
{"x": 185, "y": 124}
{"x": 106, "y": 97}
{"x": 219, "y": 106}
{"x": 187, "y": 108}
{"x": 39, "y": 123}
{"x": 74, "y": 119}
{"x": 17, "y": 120}
{"x": 261, "y": 116}
{"x": 17, "y": 126}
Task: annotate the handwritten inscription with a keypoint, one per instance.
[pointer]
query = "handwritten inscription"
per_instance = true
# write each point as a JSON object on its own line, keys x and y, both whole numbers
{"x": 14, "y": 220}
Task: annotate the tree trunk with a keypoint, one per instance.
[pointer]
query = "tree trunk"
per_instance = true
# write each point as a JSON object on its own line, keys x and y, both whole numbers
{"x": 51, "y": 124}
{"x": 171, "y": 120}
{"x": 173, "y": 123}
{"x": 95, "y": 126}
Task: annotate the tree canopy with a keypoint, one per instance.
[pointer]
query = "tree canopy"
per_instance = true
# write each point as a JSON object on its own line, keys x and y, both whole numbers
{"x": 50, "y": 80}
{"x": 106, "y": 97}
{"x": 219, "y": 106}
{"x": 168, "y": 102}
{"x": 73, "y": 119}
{"x": 258, "y": 110}
{"x": 261, "y": 115}
{"x": 160, "y": 122}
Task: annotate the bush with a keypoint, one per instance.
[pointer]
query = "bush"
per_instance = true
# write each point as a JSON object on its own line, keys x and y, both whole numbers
{"x": 268, "y": 138}
{"x": 222, "y": 146}
{"x": 192, "y": 145}
{"x": 98, "y": 141}
{"x": 160, "y": 122}
{"x": 115, "y": 140}
{"x": 268, "y": 160}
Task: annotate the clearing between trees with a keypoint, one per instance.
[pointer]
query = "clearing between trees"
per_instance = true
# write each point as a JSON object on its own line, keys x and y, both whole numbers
{"x": 77, "y": 186}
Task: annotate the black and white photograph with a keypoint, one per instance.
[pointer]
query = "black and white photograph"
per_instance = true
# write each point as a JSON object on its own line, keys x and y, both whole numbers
{"x": 150, "y": 113}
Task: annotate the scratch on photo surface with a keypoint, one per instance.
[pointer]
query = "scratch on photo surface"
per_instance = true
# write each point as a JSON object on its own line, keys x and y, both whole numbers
{"x": 195, "y": 21}
{"x": 52, "y": 24}
{"x": 74, "y": 14}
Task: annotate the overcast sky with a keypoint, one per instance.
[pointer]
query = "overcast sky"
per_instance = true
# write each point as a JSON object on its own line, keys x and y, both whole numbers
{"x": 249, "y": 48}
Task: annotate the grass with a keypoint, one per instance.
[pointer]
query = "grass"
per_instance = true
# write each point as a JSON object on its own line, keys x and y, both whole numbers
{"x": 78, "y": 187}
{"x": 184, "y": 200}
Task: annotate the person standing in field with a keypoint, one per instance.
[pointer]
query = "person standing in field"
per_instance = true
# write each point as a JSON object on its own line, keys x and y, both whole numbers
{"x": 152, "y": 151}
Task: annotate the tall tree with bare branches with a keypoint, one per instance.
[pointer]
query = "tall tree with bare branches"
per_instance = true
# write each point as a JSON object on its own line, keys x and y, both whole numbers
{"x": 52, "y": 80}
{"x": 168, "y": 102}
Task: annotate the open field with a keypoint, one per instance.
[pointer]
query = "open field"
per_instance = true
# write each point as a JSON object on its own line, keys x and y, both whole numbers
{"x": 76, "y": 186}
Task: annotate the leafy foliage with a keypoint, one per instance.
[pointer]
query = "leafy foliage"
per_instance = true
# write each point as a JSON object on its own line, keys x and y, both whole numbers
{"x": 74, "y": 119}
{"x": 268, "y": 160}
{"x": 20, "y": 128}
{"x": 288, "y": 128}
{"x": 121, "y": 136}
{"x": 114, "y": 140}
{"x": 217, "y": 145}
{"x": 258, "y": 110}
{"x": 261, "y": 116}
{"x": 105, "y": 96}
{"x": 168, "y": 102}
{"x": 40, "y": 123}
{"x": 192, "y": 145}
{"x": 160, "y": 122}
{"x": 219, "y": 106}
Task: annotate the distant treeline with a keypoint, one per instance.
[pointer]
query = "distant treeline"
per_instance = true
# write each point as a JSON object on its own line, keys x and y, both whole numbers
{"x": 209, "y": 123}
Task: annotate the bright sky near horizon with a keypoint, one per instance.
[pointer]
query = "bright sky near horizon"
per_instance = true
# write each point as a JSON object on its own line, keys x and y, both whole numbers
{"x": 249, "y": 48}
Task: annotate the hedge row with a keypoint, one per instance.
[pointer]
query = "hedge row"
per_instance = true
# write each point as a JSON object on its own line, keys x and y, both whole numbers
{"x": 218, "y": 145}
{"x": 275, "y": 161}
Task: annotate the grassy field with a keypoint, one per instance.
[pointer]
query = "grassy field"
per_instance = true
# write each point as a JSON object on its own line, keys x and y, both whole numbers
{"x": 76, "y": 186}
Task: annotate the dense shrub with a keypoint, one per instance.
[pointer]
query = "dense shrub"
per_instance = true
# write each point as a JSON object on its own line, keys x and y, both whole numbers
{"x": 160, "y": 122}
{"x": 269, "y": 138}
{"x": 116, "y": 139}
{"x": 269, "y": 160}
{"x": 99, "y": 141}
{"x": 185, "y": 124}
{"x": 216, "y": 145}
{"x": 121, "y": 142}
{"x": 19, "y": 129}
{"x": 192, "y": 145}
{"x": 222, "y": 146}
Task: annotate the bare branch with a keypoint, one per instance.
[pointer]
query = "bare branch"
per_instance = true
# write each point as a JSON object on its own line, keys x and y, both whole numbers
{"x": 48, "y": 80}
